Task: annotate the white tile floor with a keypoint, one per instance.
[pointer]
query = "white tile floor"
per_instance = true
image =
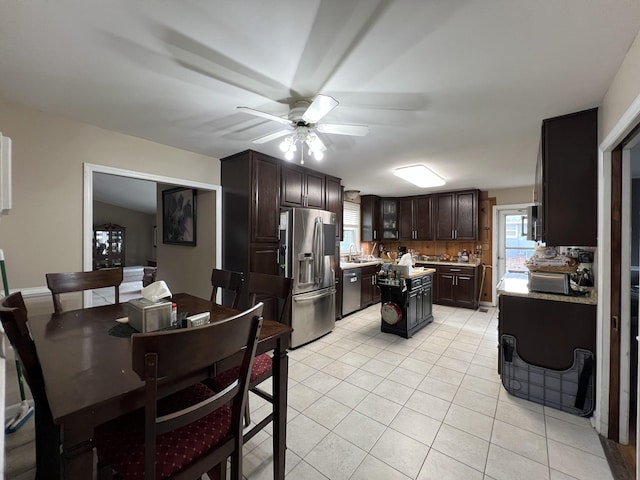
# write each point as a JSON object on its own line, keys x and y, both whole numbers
{"x": 374, "y": 406}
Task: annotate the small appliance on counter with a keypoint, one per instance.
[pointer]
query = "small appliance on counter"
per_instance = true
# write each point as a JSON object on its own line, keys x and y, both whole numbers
{"x": 549, "y": 282}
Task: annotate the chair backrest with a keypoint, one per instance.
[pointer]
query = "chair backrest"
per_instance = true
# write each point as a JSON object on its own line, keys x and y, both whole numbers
{"x": 13, "y": 314}
{"x": 177, "y": 353}
{"x": 227, "y": 280}
{"x": 274, "y": 291}
{"x": 79, "y": 281}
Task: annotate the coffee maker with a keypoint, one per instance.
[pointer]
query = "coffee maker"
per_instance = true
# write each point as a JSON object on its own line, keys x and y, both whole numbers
{"x": 584, "y": 274}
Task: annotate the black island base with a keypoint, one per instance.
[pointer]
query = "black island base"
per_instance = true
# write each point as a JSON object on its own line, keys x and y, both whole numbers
{"x": 406, "y": 303}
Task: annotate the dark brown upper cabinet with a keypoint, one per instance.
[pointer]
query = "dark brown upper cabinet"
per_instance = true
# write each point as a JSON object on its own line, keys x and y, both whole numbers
{"x": 301, "y": 187}
{"x": 369, "y": 218}
{"x": 333, "y": 197}
{"x": 456, "y": 215}
{"x": 415, "y": 222}
{"x": 389, "y": 218}
{"x": 566, "y": 179}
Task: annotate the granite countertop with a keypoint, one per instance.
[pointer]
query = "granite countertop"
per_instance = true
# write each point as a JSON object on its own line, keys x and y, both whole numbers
{"x": 476, "y": 263}
{"x": 418, "y": 272}
{"x": 518, "y": 287}
{"x": 345, "y": 265}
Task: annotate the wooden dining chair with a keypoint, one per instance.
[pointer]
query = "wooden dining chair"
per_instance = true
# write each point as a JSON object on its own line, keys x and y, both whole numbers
{"x": 13, "y": 315}
{"x": 229, "y": 281}
{"x": 194, "y": 431}
{"x": 68, "y": 282}
{"x": 267, "y": 289}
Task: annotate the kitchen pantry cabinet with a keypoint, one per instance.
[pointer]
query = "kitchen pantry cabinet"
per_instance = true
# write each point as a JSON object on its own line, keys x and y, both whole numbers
{"x": 457, "y": 286}
{"x": 456, "y": 215}
{"x": 369, "y": 218}
{"x": 301, "y": 187}
{"x": 369, "y": 290}
{"x": 415, "y": 218}
{"x": 250, "y": 216}
{"x": 566, "y": 179}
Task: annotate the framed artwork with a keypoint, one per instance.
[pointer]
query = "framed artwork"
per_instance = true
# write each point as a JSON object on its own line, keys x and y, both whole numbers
{"x": 179, "y": 216}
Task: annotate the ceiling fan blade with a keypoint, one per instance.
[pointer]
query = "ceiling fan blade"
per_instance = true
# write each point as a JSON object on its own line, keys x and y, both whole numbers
{"x": 268, "y": 116}
{"x": 271, "y": 136}
{"x": 316, "y": 144}
{"x": 320, "y": 106}
{"x": 355, "y": 130}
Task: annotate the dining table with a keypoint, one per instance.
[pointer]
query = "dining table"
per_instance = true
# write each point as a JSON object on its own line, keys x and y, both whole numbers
{"x": 89, "y": 379}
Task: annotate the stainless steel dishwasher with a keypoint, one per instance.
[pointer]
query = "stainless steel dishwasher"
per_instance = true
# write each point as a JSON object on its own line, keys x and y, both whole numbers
{"x": 351, "y": 290}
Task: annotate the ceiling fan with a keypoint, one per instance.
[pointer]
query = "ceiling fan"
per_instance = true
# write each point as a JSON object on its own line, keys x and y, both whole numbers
{"x": 302, "y": 124}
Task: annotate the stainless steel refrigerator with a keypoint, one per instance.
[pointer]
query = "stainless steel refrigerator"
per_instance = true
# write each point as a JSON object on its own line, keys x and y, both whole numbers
{"x": 307, "y": 255}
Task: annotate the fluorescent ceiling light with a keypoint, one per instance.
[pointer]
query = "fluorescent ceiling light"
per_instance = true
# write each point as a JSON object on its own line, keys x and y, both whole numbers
{"x": 419, "y": 175}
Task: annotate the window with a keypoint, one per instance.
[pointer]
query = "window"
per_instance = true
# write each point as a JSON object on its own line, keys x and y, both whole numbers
{"x": 350, "y": 227}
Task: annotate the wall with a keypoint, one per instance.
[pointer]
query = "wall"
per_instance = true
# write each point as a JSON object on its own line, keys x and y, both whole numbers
{"x": 511, "y": 196}
{"x": 43, "y": 231}
{"x": 622, "y": 92}
{"x": 138, "y": 246}
{"x": 185, "y": 268}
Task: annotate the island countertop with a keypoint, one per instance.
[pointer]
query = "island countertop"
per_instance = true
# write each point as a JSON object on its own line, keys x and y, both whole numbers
{"x": 518, "y": 287}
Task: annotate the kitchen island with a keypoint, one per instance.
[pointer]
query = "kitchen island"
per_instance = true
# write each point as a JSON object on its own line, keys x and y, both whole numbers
{"x": 547, "y": 345}
{"x": 406, "y": 302}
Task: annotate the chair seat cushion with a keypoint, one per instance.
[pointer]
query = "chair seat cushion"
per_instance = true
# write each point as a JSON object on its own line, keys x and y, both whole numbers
{"x": 121, "y": 442}
{"x": 261, "y": 366}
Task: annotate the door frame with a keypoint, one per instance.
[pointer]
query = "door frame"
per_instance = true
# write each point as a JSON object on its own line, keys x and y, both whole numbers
{"x": 87, "y": 216}
{"x": 625, "y": 125}
{"x": 497, "y": 210}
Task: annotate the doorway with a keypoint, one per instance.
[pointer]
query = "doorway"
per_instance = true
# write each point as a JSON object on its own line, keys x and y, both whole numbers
{"x": 91, "y": 169}
{"x": 511, "y": 247}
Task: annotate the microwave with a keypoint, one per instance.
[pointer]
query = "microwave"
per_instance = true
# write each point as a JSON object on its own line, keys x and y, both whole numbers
{"x": 533, "y": 228}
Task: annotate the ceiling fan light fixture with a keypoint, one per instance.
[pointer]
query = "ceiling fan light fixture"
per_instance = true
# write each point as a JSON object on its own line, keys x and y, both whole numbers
{"x": 286, "y": 144}
{"x": 419, "y": 175}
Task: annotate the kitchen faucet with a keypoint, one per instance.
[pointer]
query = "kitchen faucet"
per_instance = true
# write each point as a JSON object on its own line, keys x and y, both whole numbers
{"x": 352, "y": 246}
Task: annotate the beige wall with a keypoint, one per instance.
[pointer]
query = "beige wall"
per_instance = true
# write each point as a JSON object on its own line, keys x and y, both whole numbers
{"x": 509, "y": 196}
{"x": 188, "y": 269}
{"x": 43, "y": 231}
{"x": 624, "y": 89}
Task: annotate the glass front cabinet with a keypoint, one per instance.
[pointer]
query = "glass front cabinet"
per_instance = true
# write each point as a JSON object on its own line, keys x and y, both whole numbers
{"x": 108, "y": 246}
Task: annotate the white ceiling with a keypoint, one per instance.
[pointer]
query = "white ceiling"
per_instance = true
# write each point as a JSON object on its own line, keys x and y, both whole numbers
{"x": 461, "y": 86}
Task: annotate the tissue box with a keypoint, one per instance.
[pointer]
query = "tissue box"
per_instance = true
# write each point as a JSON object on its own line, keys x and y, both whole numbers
{"x": 148, "y": 316}
{"x": 402, "y": 269}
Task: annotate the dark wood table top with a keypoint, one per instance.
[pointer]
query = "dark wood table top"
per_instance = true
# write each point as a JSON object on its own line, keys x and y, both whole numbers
{"x": 87, "y": 370}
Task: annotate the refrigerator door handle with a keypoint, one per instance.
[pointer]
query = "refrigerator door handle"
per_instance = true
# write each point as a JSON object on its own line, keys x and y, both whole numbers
{"x": 314, "y": 296}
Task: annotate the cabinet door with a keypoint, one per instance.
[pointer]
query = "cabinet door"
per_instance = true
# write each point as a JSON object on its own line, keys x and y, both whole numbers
{"x": 427, "y": 302}
{"x": 445, "y": 216}
{"x": 446, "y": 292}
{"x": 389, "y": 218}
{"x": 422, "y": 218}
{"x": 366, "y": 292}
{"x": 570, "y": 158}
{"x": 333, "y": 201}
{"x": 265, "y": 213}
{"x": 405, "y": 222}
{"x": 466, "y": 218}
{"x": 314, "y": 195}
{"x": 412, "y": 309}
{"x": 465, "y": 291}
{"x": 377, "y": 295}
{"x": 369, "y": 216}
{"x": 292, "y": 188}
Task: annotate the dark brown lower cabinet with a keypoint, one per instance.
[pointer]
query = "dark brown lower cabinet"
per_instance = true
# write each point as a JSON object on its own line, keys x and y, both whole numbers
{"x": 457, "y": 286}
{"x": 547, "y": 332}
{"x": 369, "y": 290}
